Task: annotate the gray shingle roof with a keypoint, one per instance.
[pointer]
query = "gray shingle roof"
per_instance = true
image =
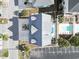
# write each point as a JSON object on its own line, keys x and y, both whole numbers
{"x": 73, "y": 5}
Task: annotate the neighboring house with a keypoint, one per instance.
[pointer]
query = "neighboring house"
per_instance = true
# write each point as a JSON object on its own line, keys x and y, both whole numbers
{"x": 71, "y": 6}
{"x": 35, "y": 3}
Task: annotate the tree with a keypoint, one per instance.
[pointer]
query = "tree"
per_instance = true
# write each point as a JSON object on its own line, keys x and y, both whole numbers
{"x": 5, "y": 53}
{"x": 21, "y": 48}
{"x": 74, "y": 41}
{"x": 63, "y": 42}
{"x": 25, "y": 50}
{"x": 4, "y": 36}
{"x": 25, "y": 27}
{"x": 61, "y": 19}
{"x": 24, "y": 14}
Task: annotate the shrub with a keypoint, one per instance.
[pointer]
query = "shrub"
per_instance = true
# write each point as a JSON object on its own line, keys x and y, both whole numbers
{"x": 5, "y": 53}
{"x": 24, "y": 13}
{"x": 74, "y": 41}
{"x": 61, "y": 19}
{"x": 63, "y": 42}
{"x": 4, "y": 37}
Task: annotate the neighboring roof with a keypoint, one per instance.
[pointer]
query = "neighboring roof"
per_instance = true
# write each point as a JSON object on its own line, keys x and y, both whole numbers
{"x": 75, "y": 8}
{"x": 35, "y": 3}
{"x": 73, "y": 5}
{"x": 43, "y": 3}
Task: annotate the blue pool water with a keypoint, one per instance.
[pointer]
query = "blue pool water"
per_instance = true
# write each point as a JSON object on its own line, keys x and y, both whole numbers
{"x": 70, "y": 28}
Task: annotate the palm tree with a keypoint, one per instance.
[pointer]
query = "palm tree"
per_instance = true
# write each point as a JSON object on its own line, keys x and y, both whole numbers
{"x": 24, "y": 47}
{"x": 5, "y": 37}
{"x": 25, "y": 50}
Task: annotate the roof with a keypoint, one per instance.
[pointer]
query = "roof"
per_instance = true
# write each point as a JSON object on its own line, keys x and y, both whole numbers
{"x": 43, "y": 3}
{"x": 73, "y": 5}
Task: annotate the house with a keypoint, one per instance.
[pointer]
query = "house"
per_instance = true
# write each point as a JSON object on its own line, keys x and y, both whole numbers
{"x": 71, "y": 6}
{"x": 40, "y": 29}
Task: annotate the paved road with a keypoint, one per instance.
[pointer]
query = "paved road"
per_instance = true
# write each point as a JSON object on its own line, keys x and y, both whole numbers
{"x": 55, "y": 53}
{"x": 58, "y": 56}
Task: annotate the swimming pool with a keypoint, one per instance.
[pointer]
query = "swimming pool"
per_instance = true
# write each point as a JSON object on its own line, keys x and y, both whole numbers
{"x": 65, "y": 28}
{"x": 70, "y": 28}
